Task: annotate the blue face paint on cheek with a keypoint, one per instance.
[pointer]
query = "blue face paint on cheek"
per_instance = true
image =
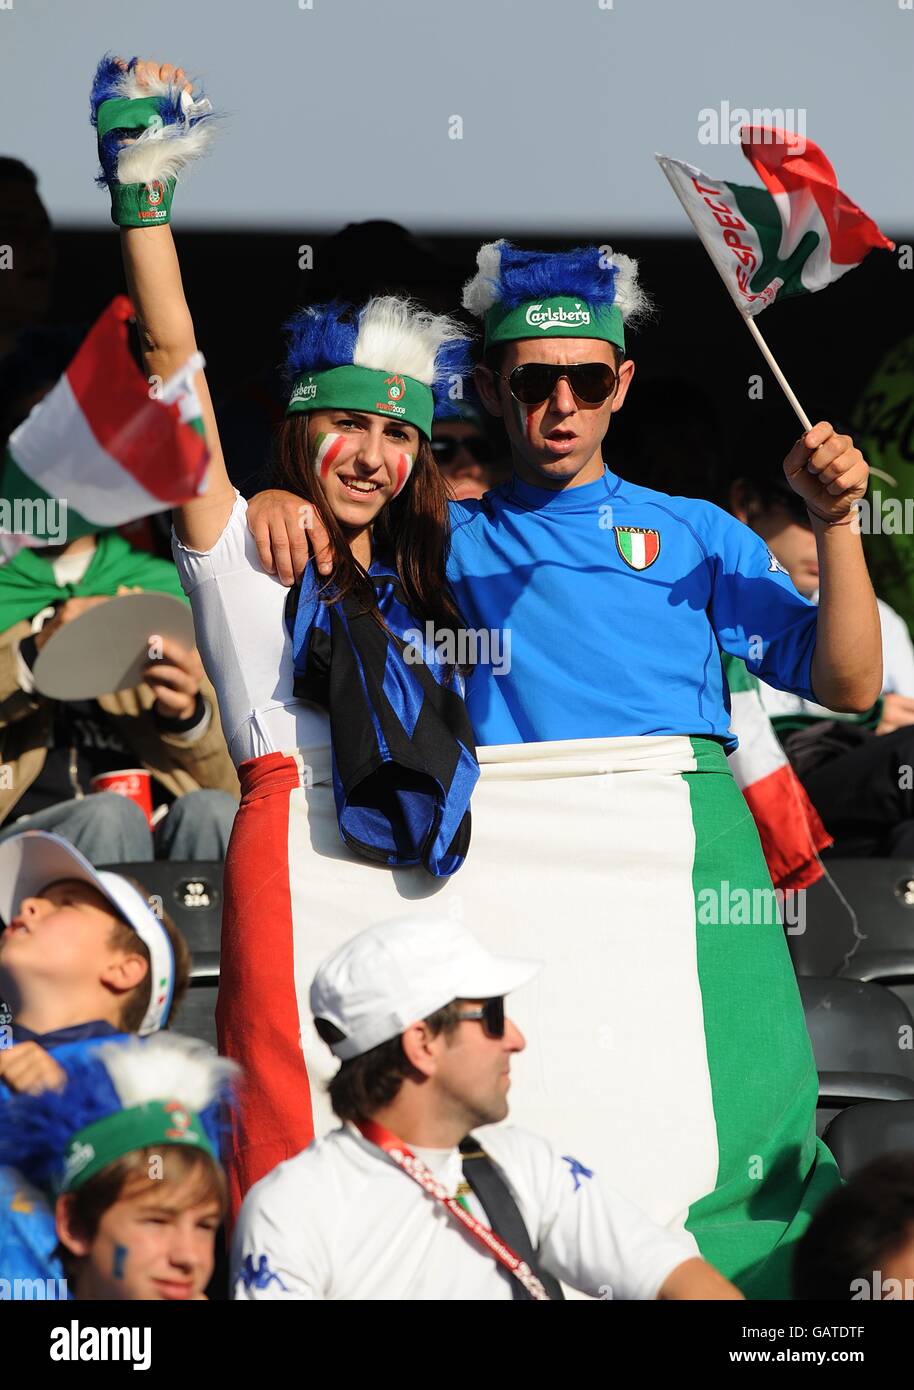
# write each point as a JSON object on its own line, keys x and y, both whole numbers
{"x": 120, "y": 1259}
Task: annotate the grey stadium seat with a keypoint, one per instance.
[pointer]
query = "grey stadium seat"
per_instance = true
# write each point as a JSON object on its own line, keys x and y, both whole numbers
{"x": 191, "y": 894}
{"x": 863, "y": 1042}
{"x": 863, "y": 1132}
{"x": 881, "y": 894}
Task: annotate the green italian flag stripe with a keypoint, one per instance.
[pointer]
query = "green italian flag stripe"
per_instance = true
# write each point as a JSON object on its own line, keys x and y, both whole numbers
{"x": 761, "y": 1068}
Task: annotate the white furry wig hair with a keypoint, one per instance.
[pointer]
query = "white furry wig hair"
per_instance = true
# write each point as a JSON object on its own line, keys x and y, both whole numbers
{"x": 508, "y": 278}
{"x": 41, "y": 1135}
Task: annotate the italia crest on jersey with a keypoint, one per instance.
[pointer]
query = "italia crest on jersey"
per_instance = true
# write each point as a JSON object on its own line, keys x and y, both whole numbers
{"x": 638, "y": 545}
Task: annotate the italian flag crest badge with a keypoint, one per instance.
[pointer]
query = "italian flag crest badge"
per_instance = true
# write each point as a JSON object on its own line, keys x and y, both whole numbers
{"x": 638, "y": 545}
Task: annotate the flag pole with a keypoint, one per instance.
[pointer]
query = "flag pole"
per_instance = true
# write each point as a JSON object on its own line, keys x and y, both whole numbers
{"x": 779, "y": 376}
{"x": 747, "y": 319}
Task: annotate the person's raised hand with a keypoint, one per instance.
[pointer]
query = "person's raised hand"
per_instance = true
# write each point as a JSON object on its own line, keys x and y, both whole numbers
{"x": 828, "y": 473}
{"x": 288, "y": 531}
{"x": 147, "y": 71}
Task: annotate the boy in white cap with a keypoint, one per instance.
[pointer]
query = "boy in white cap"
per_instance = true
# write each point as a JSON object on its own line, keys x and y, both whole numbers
{"x": 83, "y": 958}
{"x": 393, "y": 1205}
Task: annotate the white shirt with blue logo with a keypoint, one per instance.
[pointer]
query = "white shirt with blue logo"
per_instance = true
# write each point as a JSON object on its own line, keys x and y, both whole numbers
{"x": 342, "y": 1221}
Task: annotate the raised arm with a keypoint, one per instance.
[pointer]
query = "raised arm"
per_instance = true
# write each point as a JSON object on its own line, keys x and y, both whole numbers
{"x": 153, "y": 273}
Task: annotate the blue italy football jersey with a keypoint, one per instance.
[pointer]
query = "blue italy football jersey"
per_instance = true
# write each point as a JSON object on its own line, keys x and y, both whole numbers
{"x": 602, "y": 611}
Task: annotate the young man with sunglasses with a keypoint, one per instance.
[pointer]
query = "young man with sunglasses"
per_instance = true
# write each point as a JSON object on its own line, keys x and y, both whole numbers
{"x": 608, "y": 830}
{"x": 400, "y": 1203}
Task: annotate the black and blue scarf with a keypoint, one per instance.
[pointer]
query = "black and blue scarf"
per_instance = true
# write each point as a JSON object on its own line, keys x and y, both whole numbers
{"x": 404, "y": 759}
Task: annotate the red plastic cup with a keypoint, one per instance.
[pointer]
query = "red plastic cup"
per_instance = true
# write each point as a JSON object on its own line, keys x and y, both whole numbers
{"x": 134, "y": 782}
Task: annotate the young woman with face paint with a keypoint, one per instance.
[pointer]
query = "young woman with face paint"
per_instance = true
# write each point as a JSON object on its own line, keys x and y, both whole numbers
{"x": 342, "y": 719}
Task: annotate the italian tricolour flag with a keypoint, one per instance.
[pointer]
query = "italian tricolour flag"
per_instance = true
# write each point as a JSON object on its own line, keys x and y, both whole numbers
{"x": 102, "y": 444}
{"x": 797, "y": 234}
{"x": 789, "y": 826}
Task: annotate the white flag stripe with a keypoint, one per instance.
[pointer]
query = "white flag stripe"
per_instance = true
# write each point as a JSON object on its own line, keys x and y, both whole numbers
{"x": 759, "y": 752}
{"x": 728, "y": 260}
{"x": 56, "y": 448}
{"x": 638, "y": 551}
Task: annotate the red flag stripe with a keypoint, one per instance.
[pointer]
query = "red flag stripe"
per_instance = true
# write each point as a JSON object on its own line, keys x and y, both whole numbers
{"x": 789, "y": 828}
{"x": 789, "y": 163}
{"x": 144, "y": 436}
{"x": 257, "y": 1009}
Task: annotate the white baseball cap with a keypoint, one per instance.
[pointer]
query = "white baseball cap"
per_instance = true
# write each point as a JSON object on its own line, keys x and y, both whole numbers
{"x": 399, "y": 972}
{"x": 29, "y": 862}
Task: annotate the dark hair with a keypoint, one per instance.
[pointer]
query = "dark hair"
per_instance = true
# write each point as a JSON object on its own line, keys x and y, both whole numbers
{"x": 855, "y": 1229}
{"x": 128, "y": 1176}
{"x": 412, "y": 531}
{"x": 363, "y": 1084}
{"x": 124, "y": 938}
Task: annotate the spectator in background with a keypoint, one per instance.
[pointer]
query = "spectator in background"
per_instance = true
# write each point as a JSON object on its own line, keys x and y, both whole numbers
{"x": 860, "y": 1242}
{"x": 849, "y": 764}
{"x": 25, "y": 285}
{"x": 669, "y": 439}
{"x": 469, "y": 455}
{"x": 415, "y": 1010}
{"x": 52, "y": 749}
{"x": 27, "y": 373}
{"x": 130, "y": 1147}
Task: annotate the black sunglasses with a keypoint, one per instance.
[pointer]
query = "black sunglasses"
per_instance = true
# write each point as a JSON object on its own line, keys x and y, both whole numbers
{"x": 534, "y": 382}
{"x": 491, "y": 1015}
{"x": 477, "y": 446}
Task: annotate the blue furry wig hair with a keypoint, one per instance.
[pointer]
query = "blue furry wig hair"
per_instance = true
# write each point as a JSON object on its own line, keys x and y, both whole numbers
{"x": 35, "y": 1130}
{"x": 509, "y": 277}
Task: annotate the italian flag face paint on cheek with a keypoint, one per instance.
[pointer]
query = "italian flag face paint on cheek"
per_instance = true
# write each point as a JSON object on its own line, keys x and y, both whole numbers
{"x": 404, "y": 468}
{"x": 329, "y": 448}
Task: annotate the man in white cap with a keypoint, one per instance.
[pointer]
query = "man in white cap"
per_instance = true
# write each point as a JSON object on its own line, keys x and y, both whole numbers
{"x": 398, "y": 1203}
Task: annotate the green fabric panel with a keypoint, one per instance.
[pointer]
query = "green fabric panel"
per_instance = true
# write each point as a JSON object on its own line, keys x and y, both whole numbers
{"x": 786, "y": 723}
{"x": 27, "y": 581}
{"x": 773, "y": 1171}
{"x": 759, "y": 208}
